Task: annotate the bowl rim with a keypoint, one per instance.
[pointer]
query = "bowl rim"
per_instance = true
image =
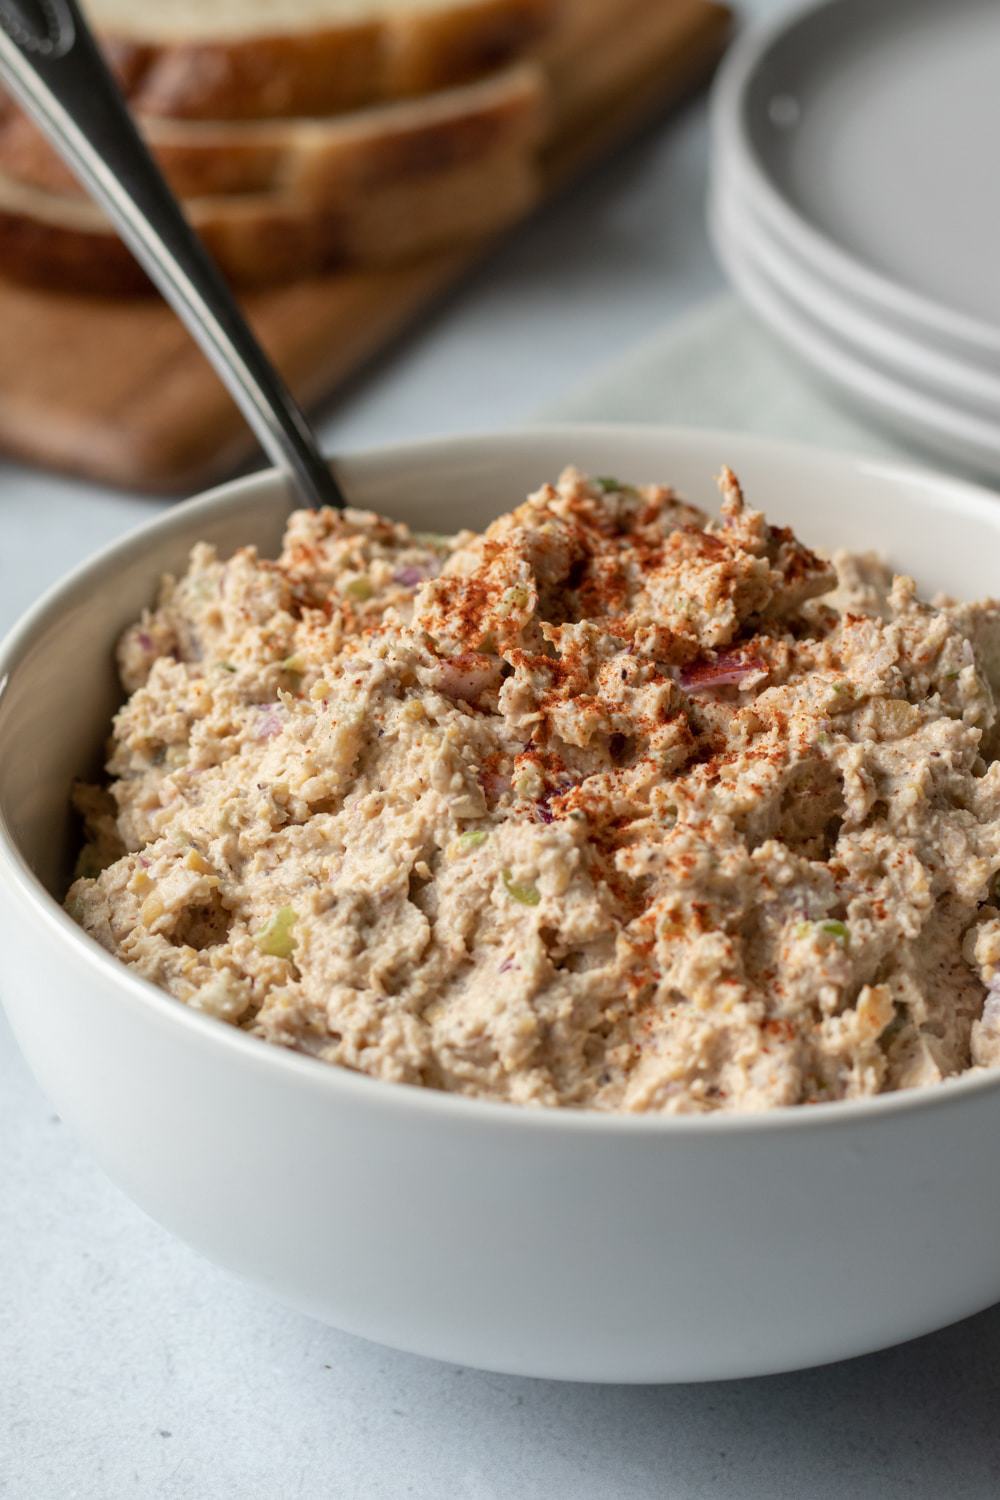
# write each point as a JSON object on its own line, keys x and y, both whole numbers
{"x": 256, "y": 1054}
{"x": 733, "y": 146}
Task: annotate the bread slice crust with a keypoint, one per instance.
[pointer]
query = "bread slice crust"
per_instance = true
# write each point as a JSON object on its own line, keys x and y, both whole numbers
{"x": 394, "y": 53}
{"x": 263, "y": 239}
{"x": 321, "y": 161}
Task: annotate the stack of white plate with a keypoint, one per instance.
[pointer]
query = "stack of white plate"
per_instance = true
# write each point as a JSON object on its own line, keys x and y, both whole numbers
{"x": 855, "y": 204}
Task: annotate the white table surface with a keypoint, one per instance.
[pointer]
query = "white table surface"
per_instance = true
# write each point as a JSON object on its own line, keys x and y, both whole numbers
{"x": 131, "y": 1368}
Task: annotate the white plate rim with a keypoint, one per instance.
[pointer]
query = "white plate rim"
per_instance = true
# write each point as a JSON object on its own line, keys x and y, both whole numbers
{"x": 974, "y": 440}
{"x": 732, "y": 147}
{"x": 902, "y": 354}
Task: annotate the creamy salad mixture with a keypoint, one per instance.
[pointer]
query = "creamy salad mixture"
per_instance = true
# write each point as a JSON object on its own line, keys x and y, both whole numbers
{"x": 611, "y": 806}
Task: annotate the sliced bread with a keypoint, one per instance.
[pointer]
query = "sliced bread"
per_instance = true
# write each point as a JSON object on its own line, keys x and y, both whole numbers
{"x": 253, "y": 59}
{"x": 335, "y": 160}
{"x": 258, "y": 239}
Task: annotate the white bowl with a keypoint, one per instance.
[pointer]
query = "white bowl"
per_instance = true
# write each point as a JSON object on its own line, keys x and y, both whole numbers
{"x": 537, "y": 1242}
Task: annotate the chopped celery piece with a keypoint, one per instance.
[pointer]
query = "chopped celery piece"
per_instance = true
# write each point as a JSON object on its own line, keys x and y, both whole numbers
{"x": 522, "y": 891}
{"x": 834, "y": 929}
{"x": 276, "y": 937}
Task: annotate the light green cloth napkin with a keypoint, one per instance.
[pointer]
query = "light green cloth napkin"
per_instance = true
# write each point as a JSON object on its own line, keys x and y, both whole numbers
{"x": 716, "y": 367}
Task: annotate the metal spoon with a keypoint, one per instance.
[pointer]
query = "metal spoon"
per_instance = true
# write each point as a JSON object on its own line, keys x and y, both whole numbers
{"x": 50, "y": 62}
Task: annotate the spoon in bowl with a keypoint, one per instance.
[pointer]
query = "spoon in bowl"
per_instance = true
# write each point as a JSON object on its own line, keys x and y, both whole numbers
{"x": 50, "y": 62}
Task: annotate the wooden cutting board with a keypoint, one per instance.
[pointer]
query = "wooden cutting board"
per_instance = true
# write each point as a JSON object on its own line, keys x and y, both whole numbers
{"x": 116, "y": 391}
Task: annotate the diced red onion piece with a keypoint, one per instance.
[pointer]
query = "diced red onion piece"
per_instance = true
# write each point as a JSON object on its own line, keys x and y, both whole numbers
{"x": 270, "y": 722}
{"x": 725, "y": 671}
{"x": 408, "y": 578}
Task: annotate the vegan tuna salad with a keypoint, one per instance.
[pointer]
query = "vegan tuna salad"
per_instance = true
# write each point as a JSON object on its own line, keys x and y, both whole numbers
{"x": 611, "y": 806}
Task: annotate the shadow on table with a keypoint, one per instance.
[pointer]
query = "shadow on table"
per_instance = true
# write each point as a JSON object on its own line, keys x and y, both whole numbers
{"x": 921, "y": 1420}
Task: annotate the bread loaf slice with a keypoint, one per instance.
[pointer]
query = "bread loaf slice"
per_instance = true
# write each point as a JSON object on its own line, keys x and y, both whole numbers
{"x": 258, "y": 239}
{"x": 322, "y": 162}
{"x": 253, "y": 59}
